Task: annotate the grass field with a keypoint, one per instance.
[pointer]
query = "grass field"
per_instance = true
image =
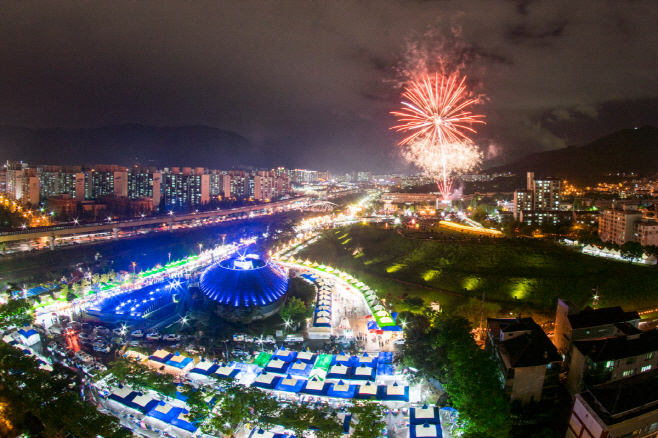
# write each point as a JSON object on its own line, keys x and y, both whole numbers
{"x": 510, "y": 271}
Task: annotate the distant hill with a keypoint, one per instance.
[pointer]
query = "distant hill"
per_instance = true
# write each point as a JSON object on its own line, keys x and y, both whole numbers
{"x": 625, "y": 151}
{"x": 128, "y": 145}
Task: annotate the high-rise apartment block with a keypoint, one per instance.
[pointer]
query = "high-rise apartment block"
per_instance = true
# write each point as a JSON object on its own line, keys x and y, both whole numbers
{"x": 540, "y": 195}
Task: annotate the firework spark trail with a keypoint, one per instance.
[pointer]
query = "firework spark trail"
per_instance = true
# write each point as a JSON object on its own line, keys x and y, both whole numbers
{"x": 438, "y": 124}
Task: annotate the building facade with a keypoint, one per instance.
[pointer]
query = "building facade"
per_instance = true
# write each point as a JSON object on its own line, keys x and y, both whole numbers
{"x": 618, "y": 226}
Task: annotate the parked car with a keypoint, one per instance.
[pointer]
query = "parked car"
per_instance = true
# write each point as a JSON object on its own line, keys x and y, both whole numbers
{"x": 104, "y": 348}
{"x": 134, "y": 343}
{"x": 269, "y": 339}
{"x": 239, "y": 352}
{"x": 137, "y": 334}
{"x": 84, "y": 356}
{"x": 294, "y": 338}
{"x": 400, "y": 341}
{"x": 153, "y": 337}
{"x": 103, "y": 330}
{"x": 238, "y": 338}
{"x": 248, "y": 338}
{"x": 171, "y": 338}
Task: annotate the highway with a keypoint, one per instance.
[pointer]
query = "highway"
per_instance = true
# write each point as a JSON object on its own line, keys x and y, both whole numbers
{"x": 164, "y": 220}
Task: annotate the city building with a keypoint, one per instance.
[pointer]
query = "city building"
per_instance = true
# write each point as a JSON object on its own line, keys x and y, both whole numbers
{"x": 528, "y": 362}
{"x": 522, "y": 202}
{"x": 144, "y": 183}
{"x": 64, "y": 206}
{"x": 597, "y": 361}
{"x": 30, "y": 187}
{"x": 411, "y": 198}
{"x": 185, "y": 190}
{"x": 125, "y": 206}
{"x": 617, "y": 410}
{"x": 539, "y": 217}
{"x": 546, "y": 193}
{"x": 573, "y": 324}
{"x": 646, "y": 229}
{"x": 587, "y": 218}
{"x": 14, "y": 179}
{"x": 3, "y": 181}
{"x": 618, "y": 226}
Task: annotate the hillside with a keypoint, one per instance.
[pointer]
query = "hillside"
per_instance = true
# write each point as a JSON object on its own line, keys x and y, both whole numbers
{"x": 625, "y": 151}
{"x": 129, "y": 145}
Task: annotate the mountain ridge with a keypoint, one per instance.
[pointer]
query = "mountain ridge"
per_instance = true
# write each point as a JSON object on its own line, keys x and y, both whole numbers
{"x": 624, "y": 151}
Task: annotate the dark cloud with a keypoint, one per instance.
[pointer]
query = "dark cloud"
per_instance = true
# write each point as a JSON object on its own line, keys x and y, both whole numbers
{"x": 315, "y": 81}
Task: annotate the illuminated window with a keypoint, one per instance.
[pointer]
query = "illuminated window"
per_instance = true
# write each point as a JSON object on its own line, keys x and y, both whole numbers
{"x": 645, "y": 368}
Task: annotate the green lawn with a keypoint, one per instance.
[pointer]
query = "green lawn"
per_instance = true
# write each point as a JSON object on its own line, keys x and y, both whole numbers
{"x": 510, "y": 271}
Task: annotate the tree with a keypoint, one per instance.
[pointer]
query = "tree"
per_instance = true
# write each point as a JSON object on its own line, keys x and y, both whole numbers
{"x": 631, "y": 251}
{"x": 475, "y": 311}
{"x": 16, "y": 312}
{"x": 369, "y": 419}
{"x": 293, "y": 310}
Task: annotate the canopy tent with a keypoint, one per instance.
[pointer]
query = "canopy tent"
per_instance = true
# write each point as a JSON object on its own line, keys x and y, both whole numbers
{"x": 323, "y": 313}
{"x": 315, "y": 386}
{"x": 378, "y": 307}
{"x": 381, "y": 313}
{"x": 289, "y": 384}
{"x": 386, "y": 320}
{"x": 324, "y": 303}
{"x": 344, "y": 359}
{"x": 202, "y": 370}
{"x": 426, "y": 414}
{"x": 364, "y": 372}
{"x": 307, "y": 357}
{"x": 285, "y": 355}
{"x": 323, "y": 308}
{"x": 370, "y": 292}
{"x": 425, "y": 431}
{"x": 341, "y": 390}
{"x": 322, "y": 322}
{"x": 340, "y": 372}
{"x": 266, "y": 381}
{"x": 394, "y": 392}
{"x": 365, "y": 288}
{"x": 367, "y": 359}
{"x": 277, "y": 366}
{"x": 181, "y": 425}
{"x": 366, "y": 391}
{"x": 161, "y": 415}
{"x": 144, "y": 403}
{"x": 344, "y": 324}
{"x": 299, "y": 368}
{"x": 227, "y": 372}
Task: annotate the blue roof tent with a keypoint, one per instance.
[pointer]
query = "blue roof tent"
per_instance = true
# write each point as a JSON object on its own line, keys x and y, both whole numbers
{"x": 290, "y": 384}
{"x": 340, "y": 371}
{"x": 307, "y": 357}
{"x": 341, "y": 390}
{"x": 285, "y": 355}
{"x": 181, "y": 421}
{"x": 227, "y": 372}
{"x": 300, "y": 368}
{"x": 164, "y": 412}
{"x": 366, "y": 391}
{"x": 315, "y": 386}
{"x": 266, "y": 381}
{"x": 238, "y": 283}
{"x": 345, "y": 359}
{"x": 204, "y": 368}
{"x": 367, "y": 360}
{"x": 425, "y": 431}
{"x": 426, "y": 414}
{"x": 277, "y": 366}
{"x": 394, "y": 392}
{"x": 178, "y": 361}
{"x": 364, "y": 373}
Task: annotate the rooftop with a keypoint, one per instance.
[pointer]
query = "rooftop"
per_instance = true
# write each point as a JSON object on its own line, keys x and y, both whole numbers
{"x": 589, "y": 317}
{"x": 616, "y": 401}
{"x": 600, "y": 350}
{"x": 525, "y": 350}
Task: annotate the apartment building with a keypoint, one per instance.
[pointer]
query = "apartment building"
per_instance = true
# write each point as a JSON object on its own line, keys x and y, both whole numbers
{"x": 622, "y": 409}
{"x": 618, "y": 226}
{"x": 522, "y": 202}
{"x": 573, "y": 324}
{"x": 598, "y": 361}
{"x": 528, "y": 362}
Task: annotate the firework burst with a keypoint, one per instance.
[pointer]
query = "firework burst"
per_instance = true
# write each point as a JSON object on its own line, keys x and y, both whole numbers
{"x": 438, "y": 125}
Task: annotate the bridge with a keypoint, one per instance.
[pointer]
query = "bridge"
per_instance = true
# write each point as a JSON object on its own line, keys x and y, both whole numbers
{"x": 54, "y": 231}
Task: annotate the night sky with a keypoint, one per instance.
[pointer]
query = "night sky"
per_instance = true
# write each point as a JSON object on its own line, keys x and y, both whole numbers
{"x": 316, "y": 80}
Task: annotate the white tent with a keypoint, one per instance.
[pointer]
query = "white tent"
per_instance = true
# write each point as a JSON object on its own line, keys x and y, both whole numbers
{"x": 378, "y": 307}
{"x": 322, "y": 320}
{"x": 381, "y": 313}
{"x": 324, "y": 313}
{"x": 386, "y": 319}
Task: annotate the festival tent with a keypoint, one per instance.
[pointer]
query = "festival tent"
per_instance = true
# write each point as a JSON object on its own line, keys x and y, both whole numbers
{"x": 307, "y": 357}
{"x": 299, "y": 368}
{"x": 144, "y": 403}
{"x": 324, "y": 303}
{"x": 285, "y": 355}
{"x": 290, "y": 384}
{"x": 179, "y": 364}
{"x": 341, "y": 390}
{"x": 315, "y": 386}
{"x": 378, "y": 307}
{"x": 381, "y": 313}
{"x": 263, "y": 359}
{"x": 344, "y": 359}
{"x": 161, "y": 415}
{"x": 366, "y": 391}
{"x": 324, "y": 313}
{"x": 339, "y": 372}
{"x": 181, "y": 425}
{"x": 227, "y": 372}
{"x": 364, "y": 373}
{"x": 10, "y": 340}
{"x": 159, "y": 358}
{"x": 425, "y": 431}
{"x": 386, "y": 320}
{"x": 121, "y": 398}
{"x": 322, "y": 322}
{"x": 266, "y": 381}
{"x": 323, "y": 308}
{"x": 370, "y": 292}
{"x": 277, "y": 366}
{"x": 202, "y": 370}
{"x": 28, "y": 335}
{"x": 394, "y": 392}
{"x": 426, "y": 414}
{"x": 368, "y": 360}
{"x": 365, "y": 288}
